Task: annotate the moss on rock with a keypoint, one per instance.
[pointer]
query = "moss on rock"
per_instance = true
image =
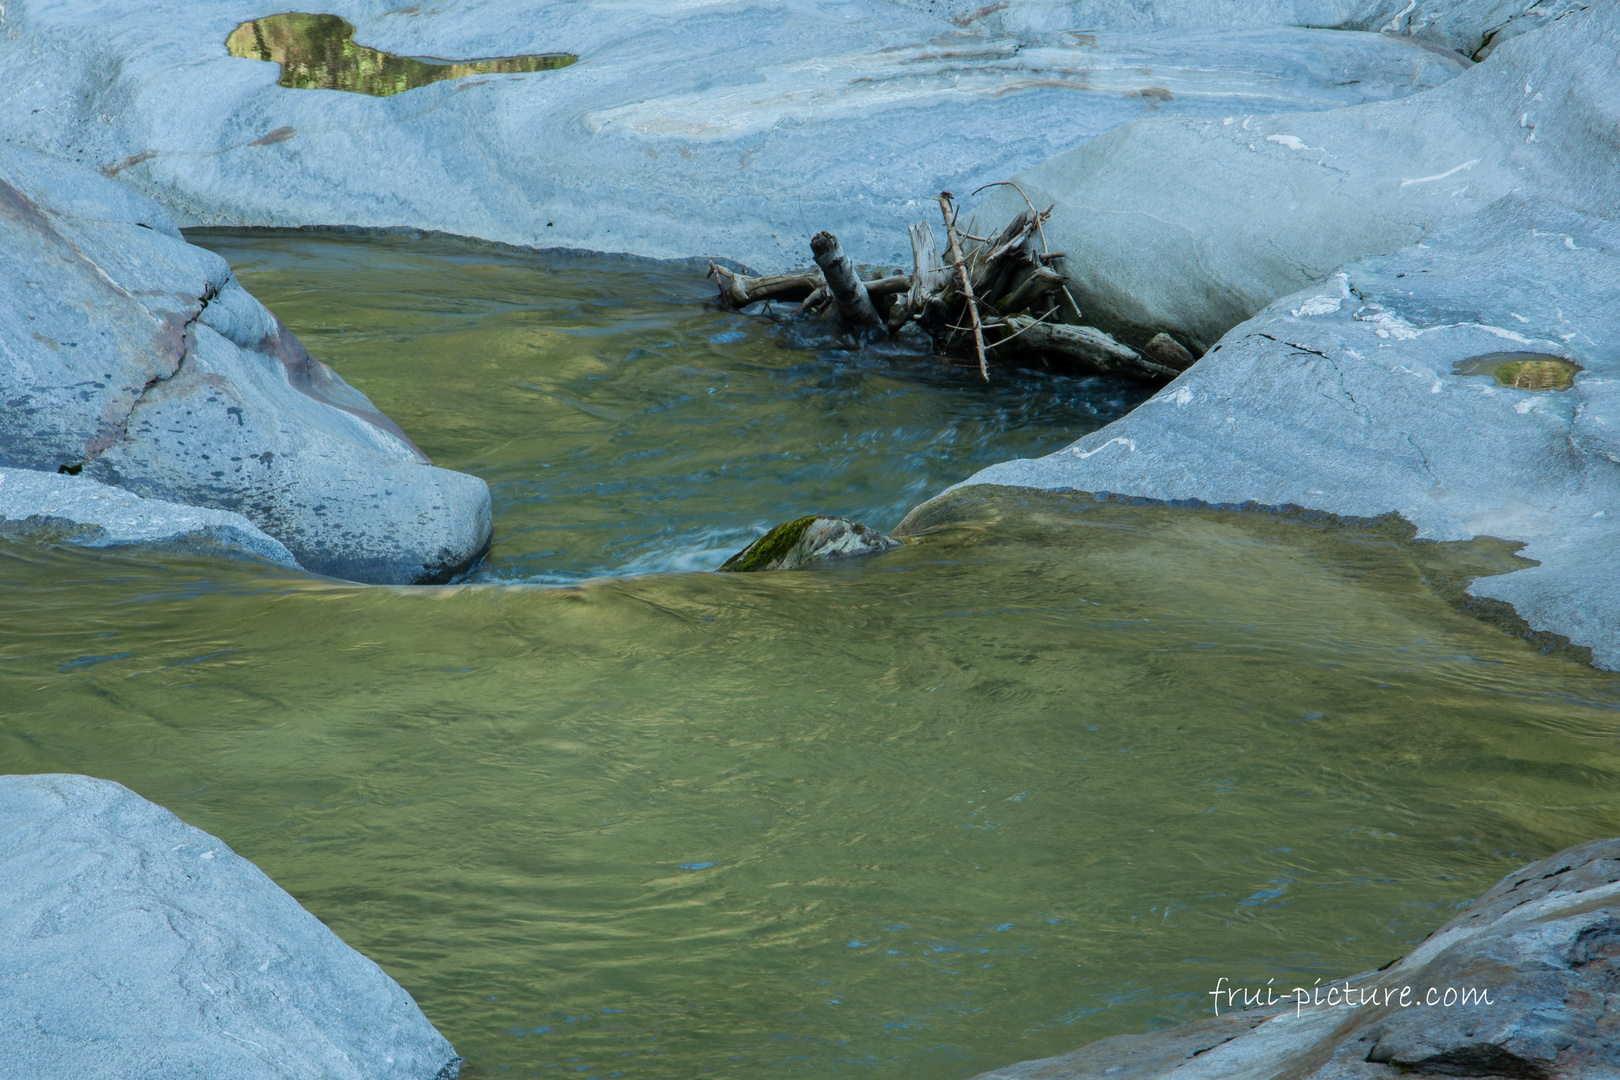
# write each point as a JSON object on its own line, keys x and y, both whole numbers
{"x": 773, "y": 545}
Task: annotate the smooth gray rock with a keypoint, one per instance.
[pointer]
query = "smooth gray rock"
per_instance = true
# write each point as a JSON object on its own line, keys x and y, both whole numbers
{"x": 1189, "y": 225}
{"x": 133, "y": 356}
{"x": 1544, "y": 943}
{"x": 53, "y": 507}
{"x": 1463, "y": 26}
{"x": 798, "y": 543}
{"x": 731, "y": 128}
{"x": 139, "y": 948}
{"x": 1344, "y": 398}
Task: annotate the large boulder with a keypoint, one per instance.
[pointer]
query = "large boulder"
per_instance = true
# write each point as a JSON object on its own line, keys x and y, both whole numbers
{"x": 1189, "y": 225}
{"x": 134, "y": 358}
{"x": 1542, "y": 946}
{"x": 732, "y": 128}
{"x": 1365, "y": 395}
{"x": 139, "y": 947}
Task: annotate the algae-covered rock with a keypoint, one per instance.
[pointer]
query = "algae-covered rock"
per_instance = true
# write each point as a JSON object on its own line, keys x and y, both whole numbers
{"x": 805, "y": 540}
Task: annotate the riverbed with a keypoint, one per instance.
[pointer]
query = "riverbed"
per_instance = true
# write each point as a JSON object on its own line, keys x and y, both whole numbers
{"x": 1042, "y": 776}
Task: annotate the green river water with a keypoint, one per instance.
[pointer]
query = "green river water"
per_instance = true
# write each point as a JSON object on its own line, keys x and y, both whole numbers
{"x": 1040, "y": 777}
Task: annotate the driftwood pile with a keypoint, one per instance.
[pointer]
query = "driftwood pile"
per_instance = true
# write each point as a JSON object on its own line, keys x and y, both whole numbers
{"x": 981, "y": 297}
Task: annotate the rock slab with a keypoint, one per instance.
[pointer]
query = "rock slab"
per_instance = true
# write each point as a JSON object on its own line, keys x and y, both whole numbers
{"x": 140, "y": 948}
{"x": 133, "y": 358}
{"x": 57, "y": 508}
{"x": 1544, "y": 944}
{"x": 730, "y": 128}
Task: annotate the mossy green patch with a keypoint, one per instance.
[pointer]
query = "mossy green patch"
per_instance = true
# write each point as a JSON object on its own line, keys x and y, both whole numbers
{"x": 771, "y": 546}
{"x": 1523, "y": 371}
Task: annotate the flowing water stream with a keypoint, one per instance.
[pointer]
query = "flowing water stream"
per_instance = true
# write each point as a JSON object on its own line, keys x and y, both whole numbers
{"x": 1040, "y": 777}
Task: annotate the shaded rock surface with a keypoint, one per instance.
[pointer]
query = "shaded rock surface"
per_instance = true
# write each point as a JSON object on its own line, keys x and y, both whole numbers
{"x": 1544, "y": 943}
{"x": 808, "y": 540}
{"x": 1278, "y": 201}
{"x": 138, "y": 946}
{"x": 134, "y": 358}
{"x": 1344, "y": 398}
{"x": 717, "y": 127}
{"x": 55, "y": 508}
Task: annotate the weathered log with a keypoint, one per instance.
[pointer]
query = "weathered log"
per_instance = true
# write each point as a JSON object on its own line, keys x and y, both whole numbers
{"x": 1041, "y": 281}
{"x": 854, "y": 305}
{"x": 1166, "y": 350}
{"x": 927, "y": 272}
{"x": 887, "y": 286}
{"x": 967, "y": 287}
{"x": 1087, "y": 348}
{"x": 740, "y": 290}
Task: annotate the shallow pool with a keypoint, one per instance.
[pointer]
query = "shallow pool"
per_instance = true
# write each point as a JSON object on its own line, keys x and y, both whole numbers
{"x": 1040, "y": 777}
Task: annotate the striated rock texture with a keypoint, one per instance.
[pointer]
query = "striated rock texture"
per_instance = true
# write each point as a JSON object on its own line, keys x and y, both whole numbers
{"x": 1544, "y": 945}
{"x": 807, "y": 540}
{"x": 134, "y": 358}
{"x": 1278, "y": 201}
{"x": 138, "y": 946}
{"x": 1354, "y": 395}
{"x": 43, "y": 507}
{"x": 732, "y": 128}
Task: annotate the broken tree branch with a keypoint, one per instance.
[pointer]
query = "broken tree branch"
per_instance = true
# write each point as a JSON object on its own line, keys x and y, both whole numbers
{"x": 740, "y": 290}
{"x": 967, "y": 287}
{"x": 854, "y": 304}
{"x": 1088, "y": 348}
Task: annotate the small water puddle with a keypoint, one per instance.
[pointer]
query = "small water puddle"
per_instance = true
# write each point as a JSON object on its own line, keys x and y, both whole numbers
{"x": 318, "y": 52}
{"x": 1523, "y": 371}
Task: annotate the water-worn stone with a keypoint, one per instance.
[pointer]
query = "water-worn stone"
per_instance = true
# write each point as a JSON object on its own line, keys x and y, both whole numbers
{"x": 56, "y": 508}
{"x": 1276, "y": 202}
{"x": 728, "y": 128}
{"x": 137, "y": 359}
{"x": 1544, "y": 944}
{"x": 807, "y": 540}
{"x": 1345, "y": 398}
{"x": 138, "y": 946}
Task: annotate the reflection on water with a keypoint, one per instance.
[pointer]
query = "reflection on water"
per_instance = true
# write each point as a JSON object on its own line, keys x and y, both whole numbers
{"x": 623, "y": 424}
{"x": 983, "y": 798}
{"x": 318, "y": 52}
{"x": 1043, "y": 776}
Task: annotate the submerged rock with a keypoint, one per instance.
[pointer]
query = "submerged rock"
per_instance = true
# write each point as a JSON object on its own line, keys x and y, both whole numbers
{"x": 138, "y": 946}
{"x": 133, "y": 358}
{"x": 1543, "y": 946}
{"x": 806, "y": 540}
